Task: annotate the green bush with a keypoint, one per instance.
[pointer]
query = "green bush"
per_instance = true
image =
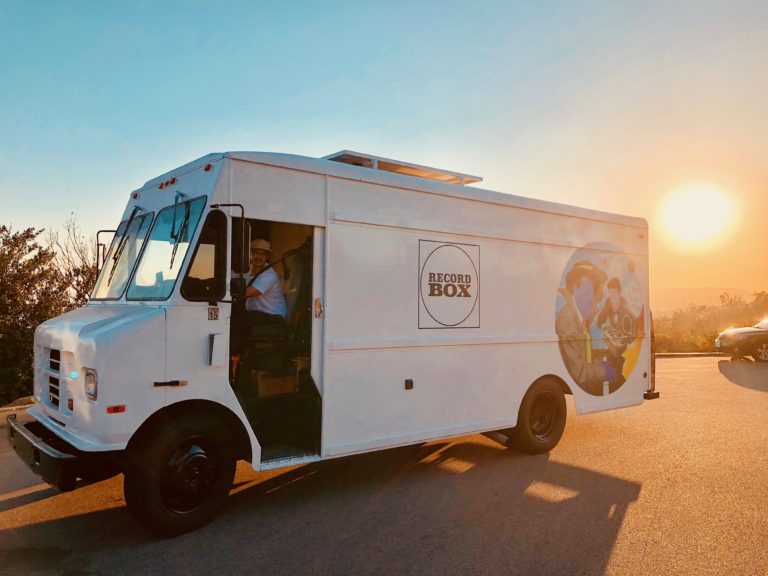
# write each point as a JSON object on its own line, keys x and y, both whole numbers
{"x": 695, "y": 328}
{"x": 31, "y": 291}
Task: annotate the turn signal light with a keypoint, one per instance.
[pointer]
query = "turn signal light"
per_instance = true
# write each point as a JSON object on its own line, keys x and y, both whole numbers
{"x": 116, "y": 409}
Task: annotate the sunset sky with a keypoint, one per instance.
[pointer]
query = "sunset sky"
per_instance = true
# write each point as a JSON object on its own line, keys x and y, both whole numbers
{"x": 630, "y": 107}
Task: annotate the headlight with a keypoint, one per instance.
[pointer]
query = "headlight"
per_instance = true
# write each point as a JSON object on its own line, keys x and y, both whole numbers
{"x": 91, "y": 383}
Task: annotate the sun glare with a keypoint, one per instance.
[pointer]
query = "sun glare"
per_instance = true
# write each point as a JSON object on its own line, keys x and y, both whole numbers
{"x": 697, "y": 216}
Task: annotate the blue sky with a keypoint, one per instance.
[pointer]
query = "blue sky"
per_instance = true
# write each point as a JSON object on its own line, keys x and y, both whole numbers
{"x": 604, "y": 105}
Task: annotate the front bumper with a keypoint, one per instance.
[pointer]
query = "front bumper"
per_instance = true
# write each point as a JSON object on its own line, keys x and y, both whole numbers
{"x": 45, "y": 453}
{"x": 729, "y": 348}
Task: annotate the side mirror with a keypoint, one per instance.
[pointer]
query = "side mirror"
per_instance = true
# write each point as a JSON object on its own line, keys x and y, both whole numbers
{"x": 237, "y": 288}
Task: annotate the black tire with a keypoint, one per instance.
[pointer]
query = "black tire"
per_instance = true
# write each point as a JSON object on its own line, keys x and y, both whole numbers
{"x": 541, "y": 420}
{"x": 761, "y": 352}
{"x": 179, "y": 476}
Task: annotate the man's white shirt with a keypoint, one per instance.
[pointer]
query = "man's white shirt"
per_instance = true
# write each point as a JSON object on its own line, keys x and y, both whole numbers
{"x": 272, "y": 299}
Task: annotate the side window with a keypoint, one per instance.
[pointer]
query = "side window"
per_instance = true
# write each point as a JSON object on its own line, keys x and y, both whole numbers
{"x": 207, "y": 274}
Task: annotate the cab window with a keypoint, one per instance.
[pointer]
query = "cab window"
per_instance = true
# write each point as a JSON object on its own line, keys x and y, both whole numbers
{"x": 206, "y": 276}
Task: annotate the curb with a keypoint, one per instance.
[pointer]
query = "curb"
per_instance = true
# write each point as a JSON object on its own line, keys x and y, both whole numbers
{"x": 690, "y": 355}
{"x": 8, "y": 409}
{"x": 5, "y": 412}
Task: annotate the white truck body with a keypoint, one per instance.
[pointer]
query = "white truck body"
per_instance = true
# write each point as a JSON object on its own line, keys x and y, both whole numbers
{"x": 435, "y": 307}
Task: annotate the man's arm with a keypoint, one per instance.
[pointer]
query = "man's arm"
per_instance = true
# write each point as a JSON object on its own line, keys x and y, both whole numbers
{"x": 251, "y": 292}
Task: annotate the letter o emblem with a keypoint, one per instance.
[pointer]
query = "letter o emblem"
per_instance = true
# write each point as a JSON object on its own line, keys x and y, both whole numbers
{"x": 447, "y": 309}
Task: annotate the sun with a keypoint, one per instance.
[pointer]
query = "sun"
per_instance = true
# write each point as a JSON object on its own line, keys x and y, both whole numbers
{"x": 697, "y": 216}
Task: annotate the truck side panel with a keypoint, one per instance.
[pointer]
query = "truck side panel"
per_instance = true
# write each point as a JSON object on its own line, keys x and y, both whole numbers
{"x": 466, "y": 377}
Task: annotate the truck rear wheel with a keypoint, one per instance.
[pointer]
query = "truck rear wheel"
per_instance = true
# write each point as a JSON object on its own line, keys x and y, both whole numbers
{"x": 178, "y": 478}
{"x": 541, "y": 420}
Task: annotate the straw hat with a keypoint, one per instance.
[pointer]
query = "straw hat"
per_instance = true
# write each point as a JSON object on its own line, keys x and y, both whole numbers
{"x": 260, "y": 244}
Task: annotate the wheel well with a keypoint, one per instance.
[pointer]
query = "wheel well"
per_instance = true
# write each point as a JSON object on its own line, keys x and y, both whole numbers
{"x": 560, "y": 382}
{"x": 550, "y": 378}
{"x": 206, "y": 409}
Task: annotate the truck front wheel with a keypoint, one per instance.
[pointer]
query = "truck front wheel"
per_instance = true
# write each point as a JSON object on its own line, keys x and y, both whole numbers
{"x": 541, "y": 420}
{"x": 178, "y": 477}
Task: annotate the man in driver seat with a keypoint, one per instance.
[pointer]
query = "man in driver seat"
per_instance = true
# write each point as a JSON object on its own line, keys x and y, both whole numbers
{"x": 265, "y": 302}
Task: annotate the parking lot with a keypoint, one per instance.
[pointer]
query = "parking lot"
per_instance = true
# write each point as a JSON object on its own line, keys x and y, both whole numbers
{"x": 675, "y": 486}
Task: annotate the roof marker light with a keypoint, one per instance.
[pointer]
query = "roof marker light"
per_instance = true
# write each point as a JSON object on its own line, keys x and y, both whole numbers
{"x": 173, "y": 180}
{"x": 207, "y": 168}
{"x": 162, "y": 185}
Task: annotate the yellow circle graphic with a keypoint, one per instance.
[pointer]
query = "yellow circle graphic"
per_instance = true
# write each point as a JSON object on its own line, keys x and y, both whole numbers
{"x": 600, "y": 318}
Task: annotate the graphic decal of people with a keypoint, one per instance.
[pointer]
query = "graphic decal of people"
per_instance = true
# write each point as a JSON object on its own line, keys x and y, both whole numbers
{"x": 599, "y": 318}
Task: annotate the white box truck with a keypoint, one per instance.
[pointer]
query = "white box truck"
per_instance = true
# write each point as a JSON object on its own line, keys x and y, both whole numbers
{"x": 416, "y": 308}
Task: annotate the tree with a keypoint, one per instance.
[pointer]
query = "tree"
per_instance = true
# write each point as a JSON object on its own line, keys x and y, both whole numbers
{"x": 695, "y": 328}
{"x": 75, "y": 261}
{"x": 31, "y": 291}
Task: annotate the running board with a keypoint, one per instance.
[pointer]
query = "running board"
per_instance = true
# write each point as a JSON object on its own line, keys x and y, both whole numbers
{"x": 290, "y": 461}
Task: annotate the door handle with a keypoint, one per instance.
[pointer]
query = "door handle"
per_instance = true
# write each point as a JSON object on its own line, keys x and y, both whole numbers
{"x": 318, "y": 308}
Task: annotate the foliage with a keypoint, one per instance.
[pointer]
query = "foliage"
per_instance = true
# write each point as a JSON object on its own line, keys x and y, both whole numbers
{"x": 695, "y": 328}
{"x": 37, "y": 282}
{"x": 31, "y": 291}
{"x": 75, "y": 261}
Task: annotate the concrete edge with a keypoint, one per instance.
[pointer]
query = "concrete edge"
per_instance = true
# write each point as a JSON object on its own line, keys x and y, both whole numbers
{"x": 5, "y": 412}
{"x": 691, "y": 355}
{"x": 8, "y": 409}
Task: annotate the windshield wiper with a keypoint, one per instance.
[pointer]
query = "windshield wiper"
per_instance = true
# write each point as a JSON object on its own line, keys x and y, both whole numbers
{"x": 174, "y": 232}
{"x": 180, "y": 234}
{"x": 121, "y": 245}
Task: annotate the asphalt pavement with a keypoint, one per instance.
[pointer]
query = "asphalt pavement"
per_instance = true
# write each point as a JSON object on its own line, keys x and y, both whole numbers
{"x": 675, "y": 486}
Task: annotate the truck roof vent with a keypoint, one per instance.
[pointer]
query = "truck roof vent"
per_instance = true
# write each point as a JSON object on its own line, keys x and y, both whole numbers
{"x": 399, "y": 167}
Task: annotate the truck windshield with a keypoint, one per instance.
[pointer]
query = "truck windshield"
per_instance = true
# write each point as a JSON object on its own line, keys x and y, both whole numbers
{"x": 163, "y": 257}
{"x": 121, "y": 257}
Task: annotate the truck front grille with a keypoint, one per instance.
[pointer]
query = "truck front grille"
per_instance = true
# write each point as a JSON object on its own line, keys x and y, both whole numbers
{"x": 53, "y": 391}
{"x": 52, "y": 373}
{"x": 54, "y": 360}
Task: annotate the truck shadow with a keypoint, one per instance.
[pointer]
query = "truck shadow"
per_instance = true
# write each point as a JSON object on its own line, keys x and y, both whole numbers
{"x": 463, "y": 507}
{"x": 445, "y": 507}
{"x": 752, "y": 375}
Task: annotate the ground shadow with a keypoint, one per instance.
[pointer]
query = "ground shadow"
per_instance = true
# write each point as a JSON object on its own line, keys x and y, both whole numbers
{"x": 752, "y": 375}
{"x": 34, "y": 494}
{"x": 441, "y": 508}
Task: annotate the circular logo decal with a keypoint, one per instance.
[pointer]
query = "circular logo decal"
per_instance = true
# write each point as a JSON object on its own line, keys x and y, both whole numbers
{"x": 449, "y": 285}
{"x": 600, "y": 318}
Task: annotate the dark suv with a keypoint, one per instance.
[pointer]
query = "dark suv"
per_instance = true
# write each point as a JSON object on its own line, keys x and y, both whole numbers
{"x": 740, "y": 342}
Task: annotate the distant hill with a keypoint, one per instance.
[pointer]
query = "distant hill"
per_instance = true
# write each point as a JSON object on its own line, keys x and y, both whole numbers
{"x": 666, "y": 300}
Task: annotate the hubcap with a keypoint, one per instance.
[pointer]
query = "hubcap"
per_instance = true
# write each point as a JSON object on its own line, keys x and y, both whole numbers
{"x": 188, "y": 477}
{"x": 543, "y": 416}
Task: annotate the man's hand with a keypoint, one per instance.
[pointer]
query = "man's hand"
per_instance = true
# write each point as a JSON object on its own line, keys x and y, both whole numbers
{"x": 610, "y": 371}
